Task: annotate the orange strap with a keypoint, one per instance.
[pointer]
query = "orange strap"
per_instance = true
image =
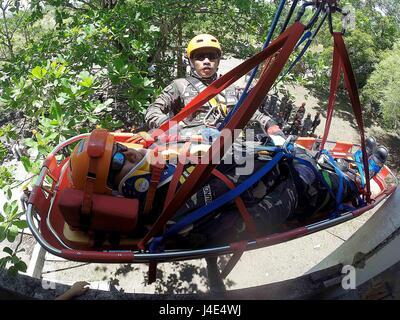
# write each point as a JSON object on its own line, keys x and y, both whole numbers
{"x": 87, "y": 195}
{"x": 156, "y": 171}
{"x": 248, "y": 220}
{"x": 95, "y": 150}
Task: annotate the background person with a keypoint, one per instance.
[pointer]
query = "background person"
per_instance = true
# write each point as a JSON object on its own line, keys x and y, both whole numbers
{"x": 300, "y": 112}
{"x": 316, "y": 122}
{"x": 307, "y": 124}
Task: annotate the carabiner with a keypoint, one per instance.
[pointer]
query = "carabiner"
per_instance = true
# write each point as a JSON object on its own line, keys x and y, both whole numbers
{"x": 208, "y": 115}
{"x": 344, "y": 17}
{"x": 300, "y": 14}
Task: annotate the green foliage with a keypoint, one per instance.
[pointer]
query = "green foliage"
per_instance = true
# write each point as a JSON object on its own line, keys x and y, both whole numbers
{"x": 10, "y": 226}
{"x": 3, "y": 152}
{"x": 6, "y": 178}
{"x": 373, "y": 34}
{"x": 382, "y": 92}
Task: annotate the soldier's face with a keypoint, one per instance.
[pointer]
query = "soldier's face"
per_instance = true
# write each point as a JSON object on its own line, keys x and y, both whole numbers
{"x": 205, "y": 62}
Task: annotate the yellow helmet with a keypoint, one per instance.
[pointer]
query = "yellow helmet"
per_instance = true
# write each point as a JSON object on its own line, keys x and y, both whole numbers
{"x": 203, "y": 41}
{"x": 91, "y": 159}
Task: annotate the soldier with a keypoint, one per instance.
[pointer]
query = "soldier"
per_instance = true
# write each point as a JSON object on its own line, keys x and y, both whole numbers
{"x": 300, "y": 112}
{"x": 204, "y": 53}
{"x": 279, "y": 119}
{"x": 307, "y": 124}
{"x": 290, "y": 189}
{"x": 25, "y": 197}
{"x": 274, "y": 107}
{"x": 316, "y": 122}
{"x": 288, "y": 110}
{"x": 296, "y": 127}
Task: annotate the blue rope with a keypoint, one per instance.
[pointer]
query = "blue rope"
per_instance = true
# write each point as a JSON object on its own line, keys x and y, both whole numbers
{"x": 317, "y": 174}
{"x": 245, "y": 91}
{"x": 307, "y": 35}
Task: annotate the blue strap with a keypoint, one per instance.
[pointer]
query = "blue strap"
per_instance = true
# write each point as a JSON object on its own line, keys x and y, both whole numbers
{"x": 310, "y": 36}
{"x": 217, "y": 203}
{"x": 245, "y": 91}
{"x": 307, "y": 35}
{"x": 339, "y": 197}
{"x": 360, "y": 166}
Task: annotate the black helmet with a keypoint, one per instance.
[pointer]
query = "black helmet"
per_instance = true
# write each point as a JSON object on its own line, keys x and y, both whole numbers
{"x": 381, "y": 153}
{"x": 370, "y": 145}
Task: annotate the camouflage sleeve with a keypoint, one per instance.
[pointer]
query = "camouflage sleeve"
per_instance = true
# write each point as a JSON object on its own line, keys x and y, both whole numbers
{"x": 164, "y": 107}
{"x": 269, "y": 125}
{"x": 264, "y": 120}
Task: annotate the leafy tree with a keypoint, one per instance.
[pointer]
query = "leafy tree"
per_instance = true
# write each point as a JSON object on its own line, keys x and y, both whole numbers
{"x": 382, "y": 91}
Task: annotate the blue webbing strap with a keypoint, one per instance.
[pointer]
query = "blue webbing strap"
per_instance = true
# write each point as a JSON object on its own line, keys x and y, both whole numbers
{"x": 321, "y": 178}
{"x": 310, "y": 36}
{"x": 339, "y": 197}
{"x": 156, "y": 243}
{"x": 307, "y": 35}
{"x": 360, "y": 166}
{"x": 245, "y": 91}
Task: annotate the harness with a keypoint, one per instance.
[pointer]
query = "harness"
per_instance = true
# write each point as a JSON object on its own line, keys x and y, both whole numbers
{"x": 217, "y": 106}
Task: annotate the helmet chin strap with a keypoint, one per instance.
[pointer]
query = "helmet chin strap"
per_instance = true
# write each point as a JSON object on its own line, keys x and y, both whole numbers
{"x": 131, "y": 172}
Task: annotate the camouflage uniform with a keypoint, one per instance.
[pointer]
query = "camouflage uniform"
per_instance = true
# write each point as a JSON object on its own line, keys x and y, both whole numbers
{"x": 307, "y": 124}
{"x": 299, "y": 114}
{"x": 271, "y": 105}
{"x": 315, "y": 123}
{"x": 287, "y": 110}
{"x": 287, "y": 191}
{"x": 179, "y": 93}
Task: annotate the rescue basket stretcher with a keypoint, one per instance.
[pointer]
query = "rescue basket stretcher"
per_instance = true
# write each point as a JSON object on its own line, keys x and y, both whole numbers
{"x": 49, "y": 227}
{"x": 55, "y": 236}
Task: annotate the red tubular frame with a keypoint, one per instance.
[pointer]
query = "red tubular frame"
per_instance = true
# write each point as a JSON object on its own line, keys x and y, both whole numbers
{"x": 41, "y": 204}
{"x": 42, "y": 199}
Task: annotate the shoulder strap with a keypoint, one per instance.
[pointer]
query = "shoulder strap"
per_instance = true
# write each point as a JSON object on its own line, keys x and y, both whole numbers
{"x": 157, "y": 170}
{"x": 200, "y": 86}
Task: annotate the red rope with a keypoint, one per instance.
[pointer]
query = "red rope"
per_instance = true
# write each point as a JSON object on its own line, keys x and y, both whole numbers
{"x": 341, "y": 63}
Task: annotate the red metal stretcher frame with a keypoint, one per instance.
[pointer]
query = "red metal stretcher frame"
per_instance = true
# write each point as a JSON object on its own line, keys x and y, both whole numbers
{"x": 43, "y": 199}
